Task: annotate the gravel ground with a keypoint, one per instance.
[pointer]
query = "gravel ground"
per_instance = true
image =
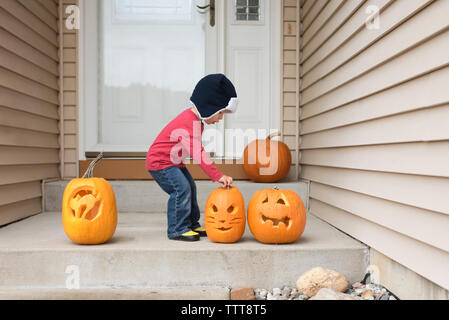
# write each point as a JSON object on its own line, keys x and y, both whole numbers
{"x": 367, "y": 291}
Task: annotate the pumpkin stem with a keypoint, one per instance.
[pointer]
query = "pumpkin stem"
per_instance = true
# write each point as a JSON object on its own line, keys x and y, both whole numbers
{"x": 90, "y": 170}
{"x": 276, "y": 188}
{"x": 273, "y": 135}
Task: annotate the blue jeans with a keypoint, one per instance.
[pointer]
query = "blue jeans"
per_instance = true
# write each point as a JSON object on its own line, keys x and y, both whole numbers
{"x": 183, "y": 212}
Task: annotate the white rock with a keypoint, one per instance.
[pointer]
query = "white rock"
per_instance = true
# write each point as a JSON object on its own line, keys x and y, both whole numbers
{"x": 310, "y": 282}
{"x": 371, "y": 286}
{"x": 329, "y": 294}
{"x": 286, "y": 292}
{"x": 277, "y": 291}
{"x": 359, "y": 291}
{"x": 358, "y": 285}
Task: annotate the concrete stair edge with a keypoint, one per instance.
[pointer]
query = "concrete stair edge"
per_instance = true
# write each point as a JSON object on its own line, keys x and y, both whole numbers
{"x": 116, "y": 293}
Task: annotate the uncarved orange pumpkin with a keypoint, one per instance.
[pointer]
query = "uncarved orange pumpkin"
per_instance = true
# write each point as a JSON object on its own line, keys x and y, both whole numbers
{"x": 276, "y": 216}
{"x": 267, "y": 160}
{"x": 89, "y": 211}
{"x": 225, "y": 215}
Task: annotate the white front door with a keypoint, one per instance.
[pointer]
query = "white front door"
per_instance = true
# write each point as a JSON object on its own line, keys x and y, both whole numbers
{"x": 142, "y": 59}
{"x": 253, "y": 64}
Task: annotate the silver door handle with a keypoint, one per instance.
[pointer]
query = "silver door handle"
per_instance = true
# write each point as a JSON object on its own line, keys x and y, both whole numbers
{"x": 211, "y": 7}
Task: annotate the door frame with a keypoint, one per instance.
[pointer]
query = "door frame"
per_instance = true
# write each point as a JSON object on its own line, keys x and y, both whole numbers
{"x": 91, "y": 123}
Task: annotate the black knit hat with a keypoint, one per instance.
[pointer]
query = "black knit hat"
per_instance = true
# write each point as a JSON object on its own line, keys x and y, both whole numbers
{"x": 212, "y": 94}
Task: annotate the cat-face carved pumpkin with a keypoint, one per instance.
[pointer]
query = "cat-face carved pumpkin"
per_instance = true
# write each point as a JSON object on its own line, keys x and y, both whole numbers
{"x": 89, "y": 213}
{"x": 276, "y": 216}
{"x": 89, "y": 210}
{"x": 225, "y": 215}
{"x": 86, "y": 204}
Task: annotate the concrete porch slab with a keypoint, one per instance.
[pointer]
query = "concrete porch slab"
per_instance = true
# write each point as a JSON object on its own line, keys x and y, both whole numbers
{"x": 35, "y": 253}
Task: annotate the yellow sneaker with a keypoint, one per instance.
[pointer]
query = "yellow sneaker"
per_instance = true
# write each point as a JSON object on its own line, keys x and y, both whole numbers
{"x": 188, "y": 236}
{"x": 201, "y": 231}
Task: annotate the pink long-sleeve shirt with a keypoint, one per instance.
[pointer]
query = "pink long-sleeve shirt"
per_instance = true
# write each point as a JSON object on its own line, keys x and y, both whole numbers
{"x": 180, "y": 139}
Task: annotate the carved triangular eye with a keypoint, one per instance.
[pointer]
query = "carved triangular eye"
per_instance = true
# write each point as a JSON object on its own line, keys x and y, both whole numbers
{"x": 281, "y": 201}
{"x": 266, "y": 200}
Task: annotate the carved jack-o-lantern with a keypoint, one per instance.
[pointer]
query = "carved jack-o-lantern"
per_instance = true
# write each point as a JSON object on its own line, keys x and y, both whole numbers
{"x": 89, "y": 211}
{"x": 276, "y": 216}
{"x": 225, "y": 215}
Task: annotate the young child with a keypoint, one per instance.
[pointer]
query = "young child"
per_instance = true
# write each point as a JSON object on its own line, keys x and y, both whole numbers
{"x": 214, "y": 95}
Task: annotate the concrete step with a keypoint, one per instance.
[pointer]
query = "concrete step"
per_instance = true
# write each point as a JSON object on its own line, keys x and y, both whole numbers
{"x": 147, "y": 196}
{"x": 35, "y": 253}
{"x": 115, "y": 293}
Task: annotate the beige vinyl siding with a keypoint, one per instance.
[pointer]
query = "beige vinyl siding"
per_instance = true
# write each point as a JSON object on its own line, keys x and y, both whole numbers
{"x": 29, "y": 101}
{"x": 290, "y": 82}
{"x": 374, "y": 133}
{"x": 69, "y": 116}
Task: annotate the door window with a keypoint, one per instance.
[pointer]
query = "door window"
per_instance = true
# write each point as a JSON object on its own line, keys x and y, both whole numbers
{"x": 247, "y": 10}
{"x": 152, "y": 10}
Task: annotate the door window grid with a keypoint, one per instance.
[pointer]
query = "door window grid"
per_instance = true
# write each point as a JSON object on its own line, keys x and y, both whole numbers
{"x": 247, "y": 10}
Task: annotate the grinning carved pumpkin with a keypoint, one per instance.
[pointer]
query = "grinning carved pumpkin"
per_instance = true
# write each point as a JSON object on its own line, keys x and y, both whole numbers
{"x": 276, "y": 216}
{"x": 267, "y": 160}
{"x": 89, "y": 212}
{"x": 225, "y": 215}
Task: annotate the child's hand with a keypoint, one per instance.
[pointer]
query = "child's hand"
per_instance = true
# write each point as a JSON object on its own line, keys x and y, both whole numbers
{"x": 227, "y": 181}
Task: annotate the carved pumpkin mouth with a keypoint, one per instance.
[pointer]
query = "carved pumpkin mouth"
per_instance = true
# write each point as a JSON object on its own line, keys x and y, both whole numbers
{"x": 236, "y": 220}
{"x": 224, "y": 229}
{"x": 285, "y": 220}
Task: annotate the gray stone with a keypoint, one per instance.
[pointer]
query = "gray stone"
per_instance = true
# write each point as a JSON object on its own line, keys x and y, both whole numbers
{"x": 294, "y": 293}
{"x": 286, "y": 292}
{"x": 276, "y": 291}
